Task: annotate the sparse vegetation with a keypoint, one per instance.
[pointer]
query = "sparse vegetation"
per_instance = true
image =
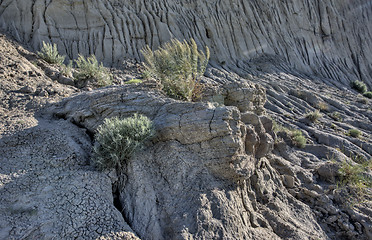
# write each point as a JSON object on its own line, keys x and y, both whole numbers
{"x": 368, "y": 95}
{"x": 336, "y": 116}
{"x": 89, "y": 68}
{"x": 314, "y": 116}
{"x": 67, "y": 70}
{"x": 50, "y": 54}
{"x": 354, "y": 133}
{"x": 297, "y": 138}
{"x": 323, "y": 106}
{"x": 356, "y": 178}
{"x": 178, "y": 66}
{"x": 359, "y": 86}
{"x": 133, "y": 81}
{"x": 117, "y": 139}
{"x": 278, "y": 127}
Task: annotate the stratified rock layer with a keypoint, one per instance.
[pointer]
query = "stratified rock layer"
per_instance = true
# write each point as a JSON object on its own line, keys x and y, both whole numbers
{"x": 205, "y": 174}
{"x": 329, "y": 38}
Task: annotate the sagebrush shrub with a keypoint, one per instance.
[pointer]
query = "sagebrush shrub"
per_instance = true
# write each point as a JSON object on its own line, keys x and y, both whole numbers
{"x": 117, "y": 139}
{"x": 314, "y": 116}
{"x": 178, "y": 66}
{"x": 354, "y": 133}
{"x": 355, "y": 177}
{"x": 336, "y": 116}
{"x": 66, "y": 70}
{"x": 297, "y": 138}
{"x": 89, "y": 68}
{"x": 50, "y": 54}
{"x": 368, "y": 94}
{"x": 359, "y": 86}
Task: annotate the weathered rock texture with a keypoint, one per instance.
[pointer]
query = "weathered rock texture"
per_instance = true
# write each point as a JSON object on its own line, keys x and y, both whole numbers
{"x": 208, "y": 174}
{"x": 215, "y": 170}
{"x": 330, "y": 38}
{"x": 47, "y": 188}
{"x": 204, "y": 176}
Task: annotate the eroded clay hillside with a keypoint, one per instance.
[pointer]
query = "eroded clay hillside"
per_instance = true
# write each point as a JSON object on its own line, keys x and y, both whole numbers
{"x": 225, "y": 167}
{"x": 325, "y": 37}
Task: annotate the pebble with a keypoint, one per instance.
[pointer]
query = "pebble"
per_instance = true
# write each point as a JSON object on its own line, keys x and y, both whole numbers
{"x": 289, "y": 181}
{"x": 43, "y": 93}
{"x": 310, "y": 193}
{"x": 321, "y": 210}
{"x": 323, "y": 199}
{"x": 27, "y": 89}
{"x": 332, "y": 219}
{"x": 318, "y": 188}
{"x": 332, "y": 209}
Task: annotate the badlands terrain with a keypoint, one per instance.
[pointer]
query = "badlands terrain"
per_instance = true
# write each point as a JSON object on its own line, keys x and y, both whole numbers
{"x": 224, "y": 167}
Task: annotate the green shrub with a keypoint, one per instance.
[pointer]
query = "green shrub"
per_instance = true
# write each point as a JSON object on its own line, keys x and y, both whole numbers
{"x": 50, "y": 54}
{"x": 67, "y": 70}
{"x": 178, "y": 66}
{"x": 368, "y": 95}
{"x": 133, "y": 81}
{"x": 359, "y": 86}
{"x": 336, "y": 116}
{"x": 89, "y": 68}
{"x": 355, "y": 178}
{"x": 314, "y": 116}
{"x": 297, "y": 138}
{"x": 277, "y": 127}
{"x": 117, "y": 139}
{"x": 354, "y": 133}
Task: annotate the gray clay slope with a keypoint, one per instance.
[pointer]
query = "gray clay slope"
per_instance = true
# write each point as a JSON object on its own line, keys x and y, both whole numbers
{"x": 213, "y": 171}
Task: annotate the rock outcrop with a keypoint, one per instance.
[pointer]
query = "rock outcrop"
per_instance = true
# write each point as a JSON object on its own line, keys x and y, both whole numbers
{"x": 323, "y": 37}
{"x": 205, "y": 174}
{"x": 47, "y": 188}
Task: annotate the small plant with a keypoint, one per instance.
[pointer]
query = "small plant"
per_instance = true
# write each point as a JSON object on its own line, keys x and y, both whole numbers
{"x": 354, "y": 133}
{"x": 356, "y": 179}
{"x": 322, "y": 106}
{"x": 359, "y": 86}
{"x": 277, "y": 127}
{"x": 178, "y": 66}
{"x": 50, "y": 54}
{"x": 336, "y": 116}
{"x": 314, "y": 116}
{"x": 133, "y": 81}
{"x": 368, "y": 95}
{"x": 89, "y": 68}
{"x": 297, "y": 138}
{"x": 67, "y": 70}
{"x": 117, "y": 139}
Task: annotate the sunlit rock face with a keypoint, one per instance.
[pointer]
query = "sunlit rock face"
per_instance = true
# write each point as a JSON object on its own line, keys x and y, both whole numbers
{"x": 329, "y": 38}
{"x": 205, "y": 175}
